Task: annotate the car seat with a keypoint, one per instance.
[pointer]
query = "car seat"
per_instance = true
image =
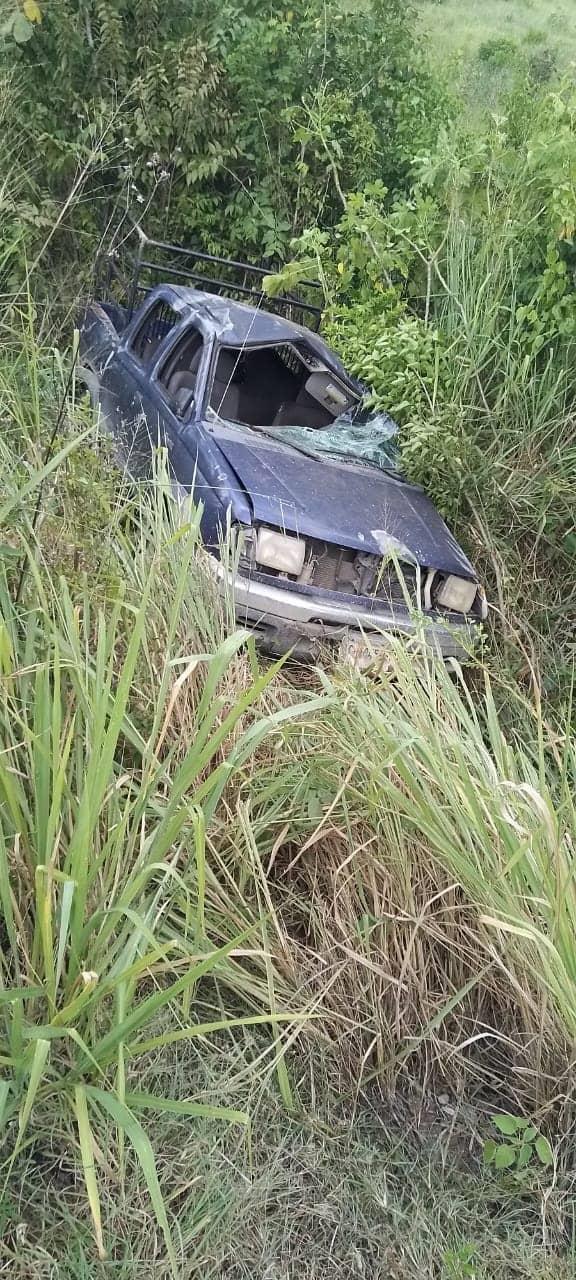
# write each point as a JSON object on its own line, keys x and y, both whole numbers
{"x": 183, "y": 381}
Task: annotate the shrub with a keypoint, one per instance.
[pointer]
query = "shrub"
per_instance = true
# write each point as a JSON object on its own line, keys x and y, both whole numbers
{"x": 499, "y": 51}
{"x": 542, "y": 65}
{"x": 233, "y": 125}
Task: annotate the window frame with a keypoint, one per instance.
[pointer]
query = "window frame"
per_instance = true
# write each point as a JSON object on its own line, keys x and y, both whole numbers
{"x": 161, "y": 304}
{"x": 171, "y": 355}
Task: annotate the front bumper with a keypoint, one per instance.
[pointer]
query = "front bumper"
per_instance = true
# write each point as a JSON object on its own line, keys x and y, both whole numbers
{"x": 302, "y": 623}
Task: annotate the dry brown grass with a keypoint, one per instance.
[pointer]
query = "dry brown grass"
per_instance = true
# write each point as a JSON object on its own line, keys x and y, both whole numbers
{"x": 436, "y": 943}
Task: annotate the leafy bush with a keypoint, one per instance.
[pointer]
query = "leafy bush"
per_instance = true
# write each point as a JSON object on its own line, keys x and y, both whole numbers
{"x": 542, "y": 65}
{"x": 392, "y": 351}
{"x": 237, "y": 125}
{"x": 499, "y": 51}
{"x": 403, "y": 362}
{"x": 456, "y": 305}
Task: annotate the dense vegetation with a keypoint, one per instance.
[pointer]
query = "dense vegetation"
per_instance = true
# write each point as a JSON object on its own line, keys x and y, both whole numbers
{"x": 223, "y": 120}
{"x": 274, "y": 948}
{"x": 456, "y": 303}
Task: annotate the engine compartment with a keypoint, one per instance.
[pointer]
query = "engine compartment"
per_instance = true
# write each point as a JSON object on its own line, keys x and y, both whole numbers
{"x": 360, "y": 573}
{"x": 390, "y": 580}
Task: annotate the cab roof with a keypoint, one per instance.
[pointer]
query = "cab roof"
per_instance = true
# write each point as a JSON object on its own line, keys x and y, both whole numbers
{"x": 237, "y": 323}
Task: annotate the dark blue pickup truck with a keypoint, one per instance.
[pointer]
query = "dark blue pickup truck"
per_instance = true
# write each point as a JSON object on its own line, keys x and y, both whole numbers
{"x": 265, "y": 428}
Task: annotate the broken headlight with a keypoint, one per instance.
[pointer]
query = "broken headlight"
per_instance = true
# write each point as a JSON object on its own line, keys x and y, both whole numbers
{"x": 456, "y": 594}
{"x": 272, "y": 550}
{"x": 279, "y": 551}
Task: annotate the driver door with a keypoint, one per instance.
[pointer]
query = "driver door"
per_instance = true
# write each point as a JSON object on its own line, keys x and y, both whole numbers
{"x": 132, "y": 409}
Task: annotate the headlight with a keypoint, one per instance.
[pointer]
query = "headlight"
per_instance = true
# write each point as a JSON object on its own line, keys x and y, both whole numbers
{"x": 277, "y": 551}
{"x": 457, "y": 594}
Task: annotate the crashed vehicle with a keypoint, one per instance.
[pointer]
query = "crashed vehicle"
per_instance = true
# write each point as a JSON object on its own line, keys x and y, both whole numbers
{"x": 266, "y": 429}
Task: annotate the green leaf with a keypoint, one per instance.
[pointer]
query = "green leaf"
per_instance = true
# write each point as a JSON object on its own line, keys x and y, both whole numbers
{"x": 529, "y": 1133}
{"x": 87, "y": 1153}
{"x": 505, "y": 1157}
{"x": 41, "y": 1051}
{"x": 544, "y": 1150}
{"x": 65, "y": 907}
{"x": 12, "y": 996}
{"x": 125, "y": 1120}
{"x": 208, "y": 1028}
{"x": 508, "y": 1125}
{"x": 525, "y": 1155}
{"x": 178, "y": 1107}
{"x": 489, "y": 1151}
{"x": 200, "y": 852}
{"x": 4, "y": 1092}
{"x": 21, "y": 29}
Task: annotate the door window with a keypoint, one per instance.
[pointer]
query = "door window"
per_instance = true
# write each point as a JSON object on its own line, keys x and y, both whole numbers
{"x": 156, "y": 325}
{"x": 179, "y": 373}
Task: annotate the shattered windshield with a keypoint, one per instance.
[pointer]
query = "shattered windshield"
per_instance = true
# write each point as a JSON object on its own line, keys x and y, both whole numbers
{"x": 357, "y": 434}
{"x": 287, "y": 393}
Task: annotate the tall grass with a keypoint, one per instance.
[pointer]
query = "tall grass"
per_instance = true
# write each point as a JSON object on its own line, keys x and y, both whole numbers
{"x": 518, "y": 410}
{"x": 435, "y": 891}
{"x": 112, "y": 919}
{"x": 205, "y": 856}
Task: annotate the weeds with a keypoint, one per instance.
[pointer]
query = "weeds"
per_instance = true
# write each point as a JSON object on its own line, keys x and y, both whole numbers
{"x": 251, "y": 924}
{"x": 387, "y": 1189}
{"x": 106, "y": 901}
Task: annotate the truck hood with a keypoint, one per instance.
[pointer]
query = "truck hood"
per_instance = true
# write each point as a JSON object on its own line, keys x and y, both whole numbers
{"x": 342, "y": 503}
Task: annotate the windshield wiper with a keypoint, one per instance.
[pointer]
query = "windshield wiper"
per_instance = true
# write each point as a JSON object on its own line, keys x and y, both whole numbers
{"x": 387, "y": 468}
{"x": 273, "y": 435}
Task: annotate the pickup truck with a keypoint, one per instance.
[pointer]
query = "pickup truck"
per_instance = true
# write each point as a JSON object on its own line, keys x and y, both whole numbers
{"x": 269, "y": 433}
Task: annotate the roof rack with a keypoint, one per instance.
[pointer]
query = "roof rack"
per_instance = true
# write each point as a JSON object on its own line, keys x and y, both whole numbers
{"x": 135, "y": 263}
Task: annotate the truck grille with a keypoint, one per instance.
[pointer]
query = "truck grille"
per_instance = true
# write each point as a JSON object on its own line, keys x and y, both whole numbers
{"x": 332, "y": 568}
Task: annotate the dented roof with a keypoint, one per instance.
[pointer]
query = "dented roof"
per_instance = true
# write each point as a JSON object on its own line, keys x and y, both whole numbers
{"x": 238, "y": 324}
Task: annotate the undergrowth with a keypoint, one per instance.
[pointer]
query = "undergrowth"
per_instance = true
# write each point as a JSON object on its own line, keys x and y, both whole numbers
{"x": 194, "y": 847}
{"x": 276, "y": 946}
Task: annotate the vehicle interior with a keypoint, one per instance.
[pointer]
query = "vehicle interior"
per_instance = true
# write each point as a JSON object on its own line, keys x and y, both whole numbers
{"x": 274, "y": 386}
{"x": 180, "y": 372}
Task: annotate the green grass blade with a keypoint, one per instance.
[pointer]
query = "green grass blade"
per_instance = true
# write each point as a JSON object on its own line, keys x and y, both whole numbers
{"x": 124, "y": 1119}
{"x": 4, "y": 1095}
{"x": 39, "y": 1060}
{"x": 177, "y": 1107}
{"x": 200, "y": 1029}
{"x": 200, "y": 856}
{"x": 66, "y": 899}
{"x": 43, "y": 882}
{"x": 88, "y": 1167}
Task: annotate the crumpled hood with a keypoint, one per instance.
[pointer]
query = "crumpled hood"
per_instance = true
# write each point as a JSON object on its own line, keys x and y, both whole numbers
{"x": 350, "y": 506}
